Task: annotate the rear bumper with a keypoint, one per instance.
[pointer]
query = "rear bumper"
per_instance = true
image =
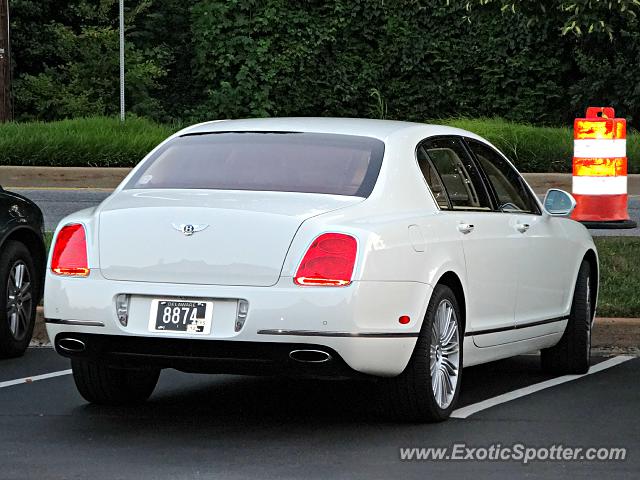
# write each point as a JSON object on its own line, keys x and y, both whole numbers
{"x": 357, "y": 324}
{"x": 198, "y": 356}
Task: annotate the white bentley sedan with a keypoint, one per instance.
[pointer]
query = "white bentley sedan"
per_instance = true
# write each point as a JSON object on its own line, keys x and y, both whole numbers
{"x": 323, "y": 247}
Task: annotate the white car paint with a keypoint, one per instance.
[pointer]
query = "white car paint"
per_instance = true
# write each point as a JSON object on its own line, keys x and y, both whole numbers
{"x": 244, "y": 243}
{"x": 256, "y": 240}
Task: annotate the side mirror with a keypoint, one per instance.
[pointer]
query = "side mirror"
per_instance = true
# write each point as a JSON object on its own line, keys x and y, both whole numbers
{"x": 558, "y": 203}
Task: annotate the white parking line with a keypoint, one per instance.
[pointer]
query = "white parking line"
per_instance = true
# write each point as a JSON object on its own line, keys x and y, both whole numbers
{"x": 19, "y": 381}
{"x": 465, "y": 412}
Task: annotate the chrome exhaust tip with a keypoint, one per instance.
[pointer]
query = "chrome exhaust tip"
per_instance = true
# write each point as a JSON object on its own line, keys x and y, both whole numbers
{"x": 309, "y": 356}
{"x": 71, "y": 345}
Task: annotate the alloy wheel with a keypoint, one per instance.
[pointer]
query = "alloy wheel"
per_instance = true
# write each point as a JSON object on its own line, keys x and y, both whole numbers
{"x": 444, "y": 354}
{"x": 19, "y": 300}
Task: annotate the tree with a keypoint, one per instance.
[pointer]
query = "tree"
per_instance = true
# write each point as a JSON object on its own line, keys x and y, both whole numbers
{"x": 578, "y": 17}
{"x": 66, "y": 60}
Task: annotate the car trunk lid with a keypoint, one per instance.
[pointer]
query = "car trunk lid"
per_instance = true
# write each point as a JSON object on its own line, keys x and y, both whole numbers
{"x": 204, "y": 236}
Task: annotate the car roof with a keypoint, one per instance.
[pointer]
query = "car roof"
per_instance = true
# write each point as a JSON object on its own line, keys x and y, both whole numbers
{"x": 380, "y": 129}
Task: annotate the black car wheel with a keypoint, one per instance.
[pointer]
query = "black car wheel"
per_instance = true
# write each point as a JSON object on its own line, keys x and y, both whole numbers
{"x": 572, "y": 355}
{"x": 18, "y": 299}
{"x": 106, "y": 385}
{"x": 428, "y": 389}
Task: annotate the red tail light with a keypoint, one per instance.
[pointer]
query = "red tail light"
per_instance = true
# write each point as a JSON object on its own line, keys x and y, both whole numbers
{"x": 329, "y": 261}
{"x": 70, "y": 252}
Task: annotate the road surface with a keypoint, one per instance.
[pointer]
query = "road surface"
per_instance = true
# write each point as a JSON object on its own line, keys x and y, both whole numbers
{"x": 228, "y": 427}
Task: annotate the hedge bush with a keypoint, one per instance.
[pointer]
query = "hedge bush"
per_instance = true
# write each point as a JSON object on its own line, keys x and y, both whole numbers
{"x": 85, "y": 142}
{"x": 406, "y": 59}
{"x": 104, "y": 142}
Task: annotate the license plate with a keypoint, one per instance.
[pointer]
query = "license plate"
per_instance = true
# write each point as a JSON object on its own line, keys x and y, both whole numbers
{"x": 181, "y": 316}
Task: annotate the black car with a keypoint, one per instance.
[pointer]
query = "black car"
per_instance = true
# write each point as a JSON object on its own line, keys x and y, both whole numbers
{"x": 22, "y": 266}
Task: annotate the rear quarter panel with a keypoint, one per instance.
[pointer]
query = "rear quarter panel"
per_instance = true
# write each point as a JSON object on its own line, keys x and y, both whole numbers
{"x": 403, "y": 239}
{"x": 401, "y": 233}
{"x": 28, "y": 214}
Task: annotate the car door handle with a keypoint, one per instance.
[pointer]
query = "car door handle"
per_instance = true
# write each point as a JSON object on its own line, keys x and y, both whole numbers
{"x": 466, "y": 228}
{"x": 522, "y": 227}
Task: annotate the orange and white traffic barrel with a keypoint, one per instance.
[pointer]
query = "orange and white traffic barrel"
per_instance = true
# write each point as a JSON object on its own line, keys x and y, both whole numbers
{"x": 600, "y": 170}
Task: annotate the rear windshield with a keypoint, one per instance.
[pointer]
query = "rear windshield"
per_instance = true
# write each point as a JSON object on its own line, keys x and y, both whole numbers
{"x": 269, "y": 161}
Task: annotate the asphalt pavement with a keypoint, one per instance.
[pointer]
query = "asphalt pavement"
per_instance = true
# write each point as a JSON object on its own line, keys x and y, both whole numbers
{"x": 58, "y": 203}
{"x": 206, "y": 427}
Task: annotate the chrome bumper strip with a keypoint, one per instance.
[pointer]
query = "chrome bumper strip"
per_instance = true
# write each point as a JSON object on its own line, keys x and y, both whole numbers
{"x": 80, "y": 323}
{"x": 316, "y": 333}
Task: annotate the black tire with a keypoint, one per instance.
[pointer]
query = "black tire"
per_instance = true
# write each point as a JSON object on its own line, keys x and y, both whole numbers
{"x": 572, "y": 355}
{"x": 410, "y": 396}
{"x": 16, "y": 325}
{"x": 105, "y": 385}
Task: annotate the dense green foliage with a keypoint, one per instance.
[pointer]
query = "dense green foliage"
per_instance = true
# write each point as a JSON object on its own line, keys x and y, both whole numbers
{"x": 586, "y": 16}
{"x": 619, "y": 277}
{"x": 528, "y": 61}
{"x": 104, "y": 142}
{"x": 66, "y": 60}
{"x": 89, "y": 142}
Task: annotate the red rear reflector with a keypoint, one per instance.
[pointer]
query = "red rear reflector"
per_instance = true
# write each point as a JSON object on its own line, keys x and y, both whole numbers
{"x": 70, "y": 252}
{"x": 329, "y": 261}
{"x": 404, "y": 319}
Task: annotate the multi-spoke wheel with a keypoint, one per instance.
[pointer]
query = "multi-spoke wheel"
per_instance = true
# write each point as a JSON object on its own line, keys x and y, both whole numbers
{"x": 18, "y": 299}
{"x": 444, "y": 355}
{"x": 573, "y": 353}
{"x": 428, "y": 388}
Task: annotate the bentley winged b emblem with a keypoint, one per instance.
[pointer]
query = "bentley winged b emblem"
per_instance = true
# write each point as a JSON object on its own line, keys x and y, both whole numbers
{"x": 189, "y": 229}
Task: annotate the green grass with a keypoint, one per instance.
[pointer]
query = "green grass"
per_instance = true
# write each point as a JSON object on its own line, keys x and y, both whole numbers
{"x": 536, "y": 149}
{"x": 83, "y": 142}
{"x": 48, "y": 236}
{"x": 104, "y": 142}
{"x": 619, "y": 276}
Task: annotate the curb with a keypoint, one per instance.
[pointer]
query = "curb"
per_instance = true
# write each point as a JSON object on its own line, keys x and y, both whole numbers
{"x": 61, "y": 177}
{"x": 110, "y": 178}
{"x": 610, "y": 335}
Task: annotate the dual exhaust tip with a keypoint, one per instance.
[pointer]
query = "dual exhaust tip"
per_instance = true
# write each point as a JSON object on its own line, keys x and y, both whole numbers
{"x": 309, "y": 356}
{"x": 75, "y": 346}
{"x": 71, "y": 345}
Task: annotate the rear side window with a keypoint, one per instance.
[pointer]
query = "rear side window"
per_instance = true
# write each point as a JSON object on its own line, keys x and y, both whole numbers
{"x": 269, "y": 161}
{"x": 433, "y": 179}
{"x": 513, "y": 196}
{"x": 457, "y": 174}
